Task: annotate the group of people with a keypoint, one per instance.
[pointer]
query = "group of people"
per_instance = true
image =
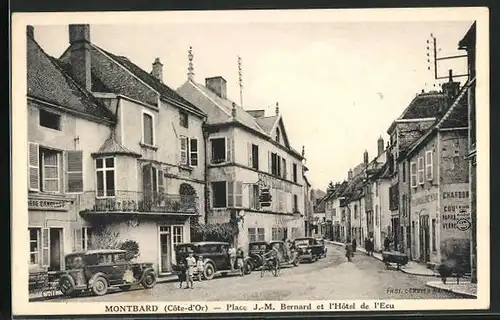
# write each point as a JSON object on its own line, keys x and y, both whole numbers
{"x": 369, "y": 246}
{"x": 351, "y": 246}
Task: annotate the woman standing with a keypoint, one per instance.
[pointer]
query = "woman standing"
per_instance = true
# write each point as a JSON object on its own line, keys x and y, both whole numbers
{"x": 191, "y": 264}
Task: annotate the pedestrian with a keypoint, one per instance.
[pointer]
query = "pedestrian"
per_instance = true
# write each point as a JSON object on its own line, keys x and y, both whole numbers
{"x": 191, "y": 265}
{"x": 239, "y": 260}
{"x": 387, "y": 243}
{"x": 348, "y": 250}
{"x": 354, "y": 244}
{"x": 232, "y": 257}
{"x": 367, "y": 246}
{"x": 182, "y": 274}
{"x": 200, "y": 267}
{"x": 372, "y": 246}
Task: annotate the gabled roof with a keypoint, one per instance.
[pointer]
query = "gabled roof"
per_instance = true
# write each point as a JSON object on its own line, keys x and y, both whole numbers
{"x": 112, "y": 147}
{"x": 164, "y": 91}
{"x": 48, "y": 82}
{"x": 267, "y": 123}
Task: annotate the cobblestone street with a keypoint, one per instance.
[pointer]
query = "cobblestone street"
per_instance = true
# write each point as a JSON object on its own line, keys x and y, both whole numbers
{"x": 329, "y": 278}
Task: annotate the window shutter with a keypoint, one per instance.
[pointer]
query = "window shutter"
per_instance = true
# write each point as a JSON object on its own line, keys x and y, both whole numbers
{"x": 74, "y": 160}
{"x": 193, "y": 152}
{"x": 184, "y": 150}
{"x": 429, "y": 165}
{"x": 270, "y": 162}
{"x": 147, "y": 184}
{"x": 238, "y": 194}
{"x": 284, "y": 168}
{"x": 45, "y": 247}
{"x": 249, "y": 150}
{"x": 161, "y": 187}
{"x": 251, "y": 200}
{"x": 78, "y": 240}
{"x": 230, "y": 194}
{"x": 228, "y": 149}
{"x": 34, "y": 167}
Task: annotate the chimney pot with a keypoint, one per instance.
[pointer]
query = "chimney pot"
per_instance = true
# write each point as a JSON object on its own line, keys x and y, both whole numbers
{"x": 349, "y": 174}
{"x": 80, "y": 57}
{"x": 451, "y": 88}
{"x": 380, "y": 146}
{"x": 30, "y": 31}
{"x": 365, "y": 157}
{"x": 157, "y": 71}
{"x": 217, "y": 85}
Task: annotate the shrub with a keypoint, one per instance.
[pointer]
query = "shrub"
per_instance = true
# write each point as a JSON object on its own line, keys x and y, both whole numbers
{"x": 104, "y": 238}
{"x": 132, "y": 248}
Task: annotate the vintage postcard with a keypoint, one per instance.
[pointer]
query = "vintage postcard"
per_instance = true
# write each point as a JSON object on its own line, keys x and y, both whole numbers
{"x": 250, "y": 161}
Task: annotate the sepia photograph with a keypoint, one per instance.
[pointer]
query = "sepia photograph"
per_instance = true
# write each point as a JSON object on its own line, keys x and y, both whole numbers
{"x": 270, "y": 161}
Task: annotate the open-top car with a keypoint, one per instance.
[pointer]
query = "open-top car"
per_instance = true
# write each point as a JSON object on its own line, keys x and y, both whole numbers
{"x": 309, "y": 248}
{"x": 99, "y": 270}
{"x": 215, "y": 258}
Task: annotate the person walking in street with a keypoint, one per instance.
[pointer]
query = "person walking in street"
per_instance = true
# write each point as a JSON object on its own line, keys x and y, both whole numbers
{"x": 232, "y": 257}
{"x": 367, "y": 246}
{"x": 239, "y": 261}
{"x": 182, "y": 274}
{"x": 372, "y": 246}
{"x": 354, "y": 246}
{"x": 191, "y": 265}
{"x": 348, "y": 250}
{"x": 200, "y": 267}
{"x": 387, "y": 243}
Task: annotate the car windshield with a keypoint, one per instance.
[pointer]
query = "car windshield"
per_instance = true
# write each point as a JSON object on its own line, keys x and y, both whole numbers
{"x": 187, "y": 248}
{"x": 302, "y": 242}
{"x": 74, "y": 262}
{"x": 257, "y": 246}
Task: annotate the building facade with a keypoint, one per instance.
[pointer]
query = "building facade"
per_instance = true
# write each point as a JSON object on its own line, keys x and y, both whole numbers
{"x": 246, "y": 153}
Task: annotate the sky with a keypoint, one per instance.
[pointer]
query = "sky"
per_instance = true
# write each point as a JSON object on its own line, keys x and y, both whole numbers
{"x": 339, "y": 85}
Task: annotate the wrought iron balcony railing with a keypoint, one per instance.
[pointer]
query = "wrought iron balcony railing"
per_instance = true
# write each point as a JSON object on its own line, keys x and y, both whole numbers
{"x": 133, "y": 201}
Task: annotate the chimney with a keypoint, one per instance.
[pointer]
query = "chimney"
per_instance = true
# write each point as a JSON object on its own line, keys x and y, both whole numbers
{"x": 451, "y": 88}
{"x": 157, "y": 71}
{"x": 217, "y": 85}
{"x": 30, "y": 31}
{"x": 233, "y": 111}
{"x": 380, "y": 146}
{"x": 277, "y": 110}
{"x": 365, "y": 157}
{"x": 349, "y": 174}
{"x": 79, "y": 39}
{"x": 257, "y": 113}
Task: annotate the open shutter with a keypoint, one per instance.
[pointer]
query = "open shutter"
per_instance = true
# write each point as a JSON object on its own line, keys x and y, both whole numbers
{"x": 147, "y": 185}
{"x": 270, "y": 161}
{"x": 78, "y": 240}
{"x": 249, "y": 150}
{"x": 34, "y": 167}
{"x": 251, "y": 201}
{"x": 230, "y": 194}
{"x": 74, "y": 160}
{"x": 161, "y": 186}
{"x": 193, "y": 152}
{"x": 45, "y": 247}
{"x": 284, "y": 169}
{"x": 238, "y": 194}
{"x": 228, "y": 149}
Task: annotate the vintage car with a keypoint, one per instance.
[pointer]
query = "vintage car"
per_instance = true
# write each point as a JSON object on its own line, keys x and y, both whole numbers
{"x": 400, "y": 259}
{"x": 215, "y": 258}
{"x": 256, "y": 251}
{"x": 309, "y": 249}
{"x": 285, "y": 257}
{"x": 99, "y": 270}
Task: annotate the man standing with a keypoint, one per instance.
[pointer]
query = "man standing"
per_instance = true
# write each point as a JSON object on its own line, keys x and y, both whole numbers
{"x": 232, "y": 257}
{"x": 191, "y": 265}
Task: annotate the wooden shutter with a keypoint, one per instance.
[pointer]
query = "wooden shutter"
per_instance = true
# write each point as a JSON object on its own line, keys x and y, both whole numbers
{"x": 193, "y": 152}
{"x": 249, "y": 150}
{"x": 184, "y": 150}
{"x": 161, "y": 186}
{"x": 428, "y": 165}
{"x": 228, "y": 149}
{"x": 33, "y": 167}
{"x": 238, "y": 194}
{"x": 45, "y": 247}
{"x": 251, "y": 201}
{"x": 74, "y": 160}
{"x": 230, "y": 194}
{"x": 147, "y": 185}
{"x": 78, "y": 240}
{"x": 270, "y": 162}
{"x": 284, "y": 168}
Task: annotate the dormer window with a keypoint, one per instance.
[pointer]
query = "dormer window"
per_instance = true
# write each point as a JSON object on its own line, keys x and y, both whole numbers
{"x": 278, "y": 135}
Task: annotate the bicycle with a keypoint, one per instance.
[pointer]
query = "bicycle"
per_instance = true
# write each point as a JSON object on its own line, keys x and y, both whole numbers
{"x": 271, "y": 264}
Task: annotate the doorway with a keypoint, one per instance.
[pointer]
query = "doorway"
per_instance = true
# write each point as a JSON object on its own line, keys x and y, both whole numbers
{"x": 424, "y": 239}
{"x": 165, "y": 250}
{"x": 55, "y": 249}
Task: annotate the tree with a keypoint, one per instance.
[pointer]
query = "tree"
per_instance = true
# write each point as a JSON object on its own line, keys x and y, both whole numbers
{"x": 132, "y": 248}
{"x": 104, "y": 238}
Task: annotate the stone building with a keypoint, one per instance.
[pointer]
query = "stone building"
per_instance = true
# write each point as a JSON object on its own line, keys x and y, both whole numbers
{"x": 248, "y": 151}
{"x": 147, "y": 181}
{"x": 438, "y": 191}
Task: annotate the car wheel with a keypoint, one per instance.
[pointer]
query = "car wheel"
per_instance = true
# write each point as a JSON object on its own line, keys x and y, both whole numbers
{"x": 248, "y": 267}
{"x": 149, "y": 280}
{"x": 66, "y": 285}
{"x": 209, "y": 271}
{"x": 126, "y": 288}
{"x": 296, "y": 262}
{"x": 100, "y": 286}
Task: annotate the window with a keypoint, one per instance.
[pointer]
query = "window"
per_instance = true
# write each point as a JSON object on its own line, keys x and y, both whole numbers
{"x": 403, "y": 205}
{"x": 86, "y": 238}
{"x": 404, "y": 171}
{"x": 34, "y": 245}
{"x": 193, "y": 152}
{"x": 276, "y": 164}
{"x": 376, "y": 214}
{"x": 177, "y": 232}
{"x": 50, "y": 120}
{"x": 376, "y": 188}
{"x": 50, "y": 170}
{"x": 355, "y": 211}
{"x": 334, "y": 212}
{"x": 413, "y": 174}
{"x": 433, "y": 235}
{"x": 261, "y": 235}
{"x": 428, "y": 165}
{"x": 278, "y": 234}
{"x": 421, "y": 170}
{"x": 219, "y": 194}
{"x": 105, "y": 171}
{"x": 254, "y": 197}
{"x": 219, "y": 153}
{"x": 74, "y": 171}
{"x": 252, "y": 235}
{"x": 255, "y": 157}
{"x": 238, "y": 194}
{"x": 183, "y": 119}
{"x": 184, "y": 150}
{"x": 147, "y": 129}
{"x": 393, "y": 197}
{"x": 295, "y": 203}
{"x": 283, "y": 168}
{"x": 294, "y": 168}
{"x": 278, "y": 135}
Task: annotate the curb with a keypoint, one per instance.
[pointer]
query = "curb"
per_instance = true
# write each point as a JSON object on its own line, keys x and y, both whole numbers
{"x": 459, "y": 292}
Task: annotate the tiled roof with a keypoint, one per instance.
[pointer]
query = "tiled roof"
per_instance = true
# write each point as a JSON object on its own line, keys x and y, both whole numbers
{"x": 97, "y": 84}
{"x": 457, "y": 117}
{"x": 267, "y": 123}
{"x": 112, "y": 147}
{"x": 151, "y": 81}
{"x": 48, "y": 82}
{"x": 426, "y": 105}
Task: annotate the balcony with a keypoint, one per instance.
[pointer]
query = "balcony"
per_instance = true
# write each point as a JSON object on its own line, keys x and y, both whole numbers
{"x": 139, "y": 202}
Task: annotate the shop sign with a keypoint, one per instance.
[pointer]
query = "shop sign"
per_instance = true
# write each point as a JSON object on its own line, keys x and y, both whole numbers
{"x": 274, "y": 183}
{"x": 39, "y": 204}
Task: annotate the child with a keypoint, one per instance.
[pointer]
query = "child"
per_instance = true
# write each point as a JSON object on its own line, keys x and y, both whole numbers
{"x": 191, "y": 265}
{"x": 200, "y": 267}
{"x": 182, "y": 274}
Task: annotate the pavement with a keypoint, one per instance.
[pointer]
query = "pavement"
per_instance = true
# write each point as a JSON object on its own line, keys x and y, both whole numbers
{"x": 464, "y": 288}
{"x": 327, "y": 278}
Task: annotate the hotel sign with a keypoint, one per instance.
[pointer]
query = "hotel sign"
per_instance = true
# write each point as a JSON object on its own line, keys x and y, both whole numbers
{"x": 274, "y": 183}
{"x": 42, "y": 204}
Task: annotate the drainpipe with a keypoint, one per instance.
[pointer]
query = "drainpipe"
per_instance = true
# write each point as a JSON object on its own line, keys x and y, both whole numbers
{"x": 206, "y": 191}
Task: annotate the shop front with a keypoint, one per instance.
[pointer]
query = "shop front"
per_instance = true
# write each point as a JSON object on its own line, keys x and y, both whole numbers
{"x": 423, "y": 206}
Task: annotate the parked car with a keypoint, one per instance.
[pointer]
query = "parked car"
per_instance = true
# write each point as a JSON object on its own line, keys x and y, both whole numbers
{"x": 309, "y": 249}
{"x": 99, "y": 270}
{"x": 285, "y": 257}
{"x": 215, "y": 257}
{"x": 255, "y": 252}
{"x": 321, "y": 242}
